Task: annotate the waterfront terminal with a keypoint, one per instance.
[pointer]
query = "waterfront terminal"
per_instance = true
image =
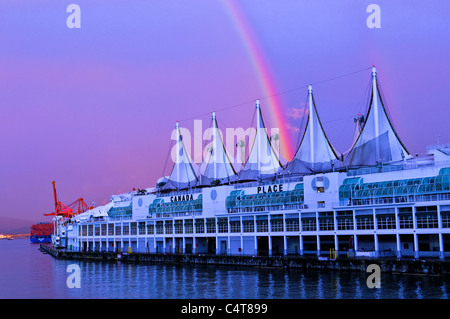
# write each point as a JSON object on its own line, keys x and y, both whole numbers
{"x": 375, "y": 200}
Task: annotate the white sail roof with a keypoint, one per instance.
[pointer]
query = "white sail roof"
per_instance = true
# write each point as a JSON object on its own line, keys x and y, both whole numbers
{"x": 315, "y": 153}
{"x": 218, "y": 165}
{"x": 239, "y": 159}
{"x": 99, "y": 211}
{"x": 183, "y": 173}
{"x": 262, "y": 161}
{"x": 378, "y": 142}
{"x": 359, "y": 120}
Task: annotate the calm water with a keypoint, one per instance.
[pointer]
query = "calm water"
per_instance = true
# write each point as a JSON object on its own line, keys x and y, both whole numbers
{"x": 25, "y": 272}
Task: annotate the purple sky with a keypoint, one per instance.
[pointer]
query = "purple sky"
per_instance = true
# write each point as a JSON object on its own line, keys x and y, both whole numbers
{"x": 93, "y": 108}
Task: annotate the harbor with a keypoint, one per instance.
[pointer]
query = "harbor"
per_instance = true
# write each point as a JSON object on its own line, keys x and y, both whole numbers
{"x": 41, "y": 276}
{"x": 376, "y": 203}
{"x": 393, "y": 266}
{"x": 211, "y": 157}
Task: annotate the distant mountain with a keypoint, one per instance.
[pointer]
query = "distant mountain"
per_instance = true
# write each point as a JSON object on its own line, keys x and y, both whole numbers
{"x": 10, "y": 225}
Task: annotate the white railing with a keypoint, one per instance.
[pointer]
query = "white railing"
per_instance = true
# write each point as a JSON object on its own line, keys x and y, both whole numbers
{"x": 263, "y": 208}
{"x": 411, "y": 199}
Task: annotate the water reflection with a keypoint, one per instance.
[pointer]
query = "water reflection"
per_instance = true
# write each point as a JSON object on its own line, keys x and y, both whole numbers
{"x": 401, "y": 290}
{"x": 119, "y": 280}
{"x": 419, "y": 291}
{"x": 444, "y": 291}
{"x": 358, "y": 290}
{"x": 31, "y": 274}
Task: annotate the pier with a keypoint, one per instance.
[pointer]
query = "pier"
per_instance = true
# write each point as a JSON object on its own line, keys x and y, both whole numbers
{"x": 433, "y": 267}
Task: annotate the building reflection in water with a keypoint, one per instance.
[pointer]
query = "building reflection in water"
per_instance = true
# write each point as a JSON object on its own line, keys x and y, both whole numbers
{"x": 158, "y": 281}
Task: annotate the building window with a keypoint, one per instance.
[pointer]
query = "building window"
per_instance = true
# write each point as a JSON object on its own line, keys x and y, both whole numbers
{"x": 386, "y": 222}
{"x": 426, "y": 217}
{"x": 150, "y": 229}
{"x": 188, "y": 226}
{"x": 309, "y": 224}
{"x": 126, "y": 229}
{"x": 345, "y": 223}
{"x": 292, "y": 224}
{"x": 169, "y": 227}
{"x": 249, "y": 226}
{"x": 133, "y": 228}
{"x": 141, "y": 228}
{"x": 118, "y": 230}
{"x": 344, "y": 220}
{"x": 445, "y": 219}
{"x": 210, "y": 228}
{"x": 110, "y": 229}
{"x": 223, "y": 228}
{"x": 222, "y": 225}
{"x": 159, "y": 228}
{"x": 320, "y": 184}
{"x": 364, "y": 222}
{"x": 405, "y": 221}
{"x": 326, "y": 221}
{"x": 326, "y": 224}
{"x": 178, "y": 227}
{"x": 199, "y": 226}
{"x": 210, "y": 225}
{"x": 427, "y": 221}
{"x": 103, "y": 229}
{"x": 276, "y": 223}
{"x": 262, "y": 226}
{"x": 235, "y": 226}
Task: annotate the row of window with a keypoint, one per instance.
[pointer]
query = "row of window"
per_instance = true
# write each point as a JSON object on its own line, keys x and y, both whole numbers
{"x": 168, "y": 227}
{"x": 221, "y": 225}
{"x": 383, "y": 222}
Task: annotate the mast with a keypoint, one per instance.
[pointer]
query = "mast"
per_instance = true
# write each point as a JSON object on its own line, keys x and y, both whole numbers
{"x": 177, "y": 160}
{"x": 258, "y": 127}
{"x": 311, "y": 123}
{"x": 214, "y": 149}
{"x": 375, "y": 109}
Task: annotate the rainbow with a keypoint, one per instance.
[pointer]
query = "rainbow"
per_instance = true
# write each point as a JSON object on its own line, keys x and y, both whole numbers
{"x": 264, "y": 76}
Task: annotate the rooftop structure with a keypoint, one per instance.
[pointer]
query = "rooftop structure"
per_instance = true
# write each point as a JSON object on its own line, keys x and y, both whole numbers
{"x": 378, "y": 141}
{"x": 315, "y": 152}
{"x": 218, "y": 165}
{"x": 262, "y": 161}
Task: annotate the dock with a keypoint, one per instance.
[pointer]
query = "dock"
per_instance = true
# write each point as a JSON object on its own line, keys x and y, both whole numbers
{"x": 432, "y": 267}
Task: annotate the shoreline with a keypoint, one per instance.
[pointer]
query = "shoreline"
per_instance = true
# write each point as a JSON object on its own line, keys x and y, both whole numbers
{"x": 413, "y": 267}
{"x": 14, "y": 236}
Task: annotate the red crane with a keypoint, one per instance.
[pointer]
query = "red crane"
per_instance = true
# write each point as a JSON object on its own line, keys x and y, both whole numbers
{"x": 77, "y": 207}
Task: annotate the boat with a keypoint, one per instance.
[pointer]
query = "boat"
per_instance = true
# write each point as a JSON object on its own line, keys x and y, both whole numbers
{"x": 41, "y": 233}
{"x": 374, "y": 200}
